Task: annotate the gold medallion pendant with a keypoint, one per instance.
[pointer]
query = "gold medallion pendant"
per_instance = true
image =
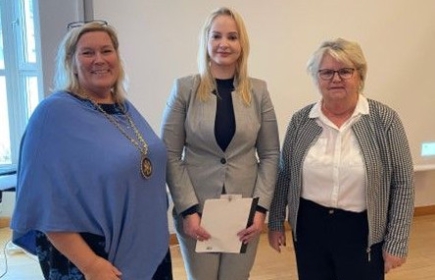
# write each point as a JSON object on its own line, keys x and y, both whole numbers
{"x": 146, "y": 168}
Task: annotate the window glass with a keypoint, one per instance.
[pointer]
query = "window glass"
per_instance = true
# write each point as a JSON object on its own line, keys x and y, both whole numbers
{"x": 2, "y": 58}
{"x": 19, "y": 73}
{"x": 29, "y": 32}
{"x": 5, "y": 144}
{"x": 31, "y": 85}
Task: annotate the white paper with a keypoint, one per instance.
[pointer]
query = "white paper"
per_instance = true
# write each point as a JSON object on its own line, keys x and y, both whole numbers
{"x": 223, "y": 218}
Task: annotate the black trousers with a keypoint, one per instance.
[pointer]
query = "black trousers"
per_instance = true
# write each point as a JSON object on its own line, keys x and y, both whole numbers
{"x": 331, "y": 244}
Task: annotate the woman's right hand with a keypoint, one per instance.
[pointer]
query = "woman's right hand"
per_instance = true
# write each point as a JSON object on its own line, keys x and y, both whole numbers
{"x": 192, "y": 227}
{"x": 101, "y": 269}
{"x": 73, "y": 246}
{"x": 277, "y": 239}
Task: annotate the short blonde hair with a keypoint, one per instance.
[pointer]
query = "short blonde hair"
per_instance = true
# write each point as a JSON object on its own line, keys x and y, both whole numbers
{"x": 345, "y": 51}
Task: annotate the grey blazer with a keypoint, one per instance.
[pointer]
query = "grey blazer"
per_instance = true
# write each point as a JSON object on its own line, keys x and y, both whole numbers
{"x": 198, "y": 168}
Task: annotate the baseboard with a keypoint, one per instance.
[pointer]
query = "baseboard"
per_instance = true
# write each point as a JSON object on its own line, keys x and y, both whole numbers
{"x": 5, "y": 222}
{"x": 424, "y": 210}
{"x": 418, "y": 211}
{"x": 173, "y": 239}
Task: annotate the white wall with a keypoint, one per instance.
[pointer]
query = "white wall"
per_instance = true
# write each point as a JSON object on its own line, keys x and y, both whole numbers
{"x": 54, "y": 16}
{"x": 159, "y": 43}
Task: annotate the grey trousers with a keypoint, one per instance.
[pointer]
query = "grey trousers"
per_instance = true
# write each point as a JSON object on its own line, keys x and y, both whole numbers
{"x": 214, "y": 266}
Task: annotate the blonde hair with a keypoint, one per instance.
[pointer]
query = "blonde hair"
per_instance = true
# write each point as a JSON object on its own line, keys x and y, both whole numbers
{"x": 65, "y": 77}
{"x": 345, "y": 51}
{"x": 208, "y": 83}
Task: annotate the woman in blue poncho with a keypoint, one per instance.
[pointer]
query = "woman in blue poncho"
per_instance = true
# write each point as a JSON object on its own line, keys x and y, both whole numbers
{"x": 91, "y": 196}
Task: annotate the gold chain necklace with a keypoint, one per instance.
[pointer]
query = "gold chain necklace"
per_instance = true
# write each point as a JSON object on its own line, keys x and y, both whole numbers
{"x": 146, "y": 167}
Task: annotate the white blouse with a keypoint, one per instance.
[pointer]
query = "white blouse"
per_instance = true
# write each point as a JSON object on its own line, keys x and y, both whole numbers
{"x": 333, "y": 172}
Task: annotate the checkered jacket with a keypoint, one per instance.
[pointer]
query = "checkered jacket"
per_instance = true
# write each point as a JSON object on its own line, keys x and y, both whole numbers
{"x": 389, "y": 171}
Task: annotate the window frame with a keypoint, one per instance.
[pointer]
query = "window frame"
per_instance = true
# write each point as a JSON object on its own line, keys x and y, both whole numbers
{"x": 17, "y": 70}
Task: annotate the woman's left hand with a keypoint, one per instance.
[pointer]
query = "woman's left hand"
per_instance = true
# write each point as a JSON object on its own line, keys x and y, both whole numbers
{"x": 254, "y": 230}
{"x": 391, "y": 261}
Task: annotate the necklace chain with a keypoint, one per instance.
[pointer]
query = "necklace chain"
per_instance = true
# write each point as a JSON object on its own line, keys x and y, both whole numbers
{"x": 140, "y": 143}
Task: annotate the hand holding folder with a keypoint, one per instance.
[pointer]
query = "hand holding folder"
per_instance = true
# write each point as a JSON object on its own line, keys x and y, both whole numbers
{"x": 223, "y": 218}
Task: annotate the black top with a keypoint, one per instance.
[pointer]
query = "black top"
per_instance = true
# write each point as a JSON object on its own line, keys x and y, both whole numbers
{"x": 225, "y": 123}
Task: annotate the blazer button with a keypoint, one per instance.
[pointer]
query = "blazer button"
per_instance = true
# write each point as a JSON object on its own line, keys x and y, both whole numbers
{"x": 223, "y": 161}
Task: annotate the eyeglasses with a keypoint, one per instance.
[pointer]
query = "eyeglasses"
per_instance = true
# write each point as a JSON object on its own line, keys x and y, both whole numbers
{"x": 76, "y": 24}
{"x": 328, "y": 74}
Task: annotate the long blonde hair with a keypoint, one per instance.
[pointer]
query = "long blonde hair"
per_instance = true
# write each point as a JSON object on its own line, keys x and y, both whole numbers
{"x": 208, "y": 83}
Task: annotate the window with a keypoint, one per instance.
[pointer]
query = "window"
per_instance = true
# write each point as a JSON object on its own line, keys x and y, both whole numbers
{"x": 20, "y": 73}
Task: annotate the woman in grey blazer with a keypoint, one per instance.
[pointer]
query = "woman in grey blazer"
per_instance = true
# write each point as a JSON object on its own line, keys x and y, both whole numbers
{"x": 346, "y": 175}
{"x": 221, "y": 134}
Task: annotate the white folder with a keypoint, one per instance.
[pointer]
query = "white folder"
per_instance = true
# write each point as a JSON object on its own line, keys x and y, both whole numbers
{"x": 223, "y": 218}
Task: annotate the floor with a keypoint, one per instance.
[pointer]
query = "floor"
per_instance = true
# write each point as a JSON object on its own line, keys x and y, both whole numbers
{"x": 14, "y": 263}
{"x": 269, "y": 265}
{"x": 21, "y": 266}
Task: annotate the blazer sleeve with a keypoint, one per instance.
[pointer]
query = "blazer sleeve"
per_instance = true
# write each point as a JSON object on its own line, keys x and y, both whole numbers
{"x": 402, "y": 192}
{"x": 277, "y": 212}
{"x": 174, "y": 136}
{"x": 267, "y": 146}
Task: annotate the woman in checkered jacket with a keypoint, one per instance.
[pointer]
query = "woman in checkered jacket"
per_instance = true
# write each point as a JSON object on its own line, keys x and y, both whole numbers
{"x": 346, "y": 175}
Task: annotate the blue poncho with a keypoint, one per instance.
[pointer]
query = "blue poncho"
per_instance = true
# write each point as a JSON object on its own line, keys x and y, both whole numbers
{"x": 78, "y": 173}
